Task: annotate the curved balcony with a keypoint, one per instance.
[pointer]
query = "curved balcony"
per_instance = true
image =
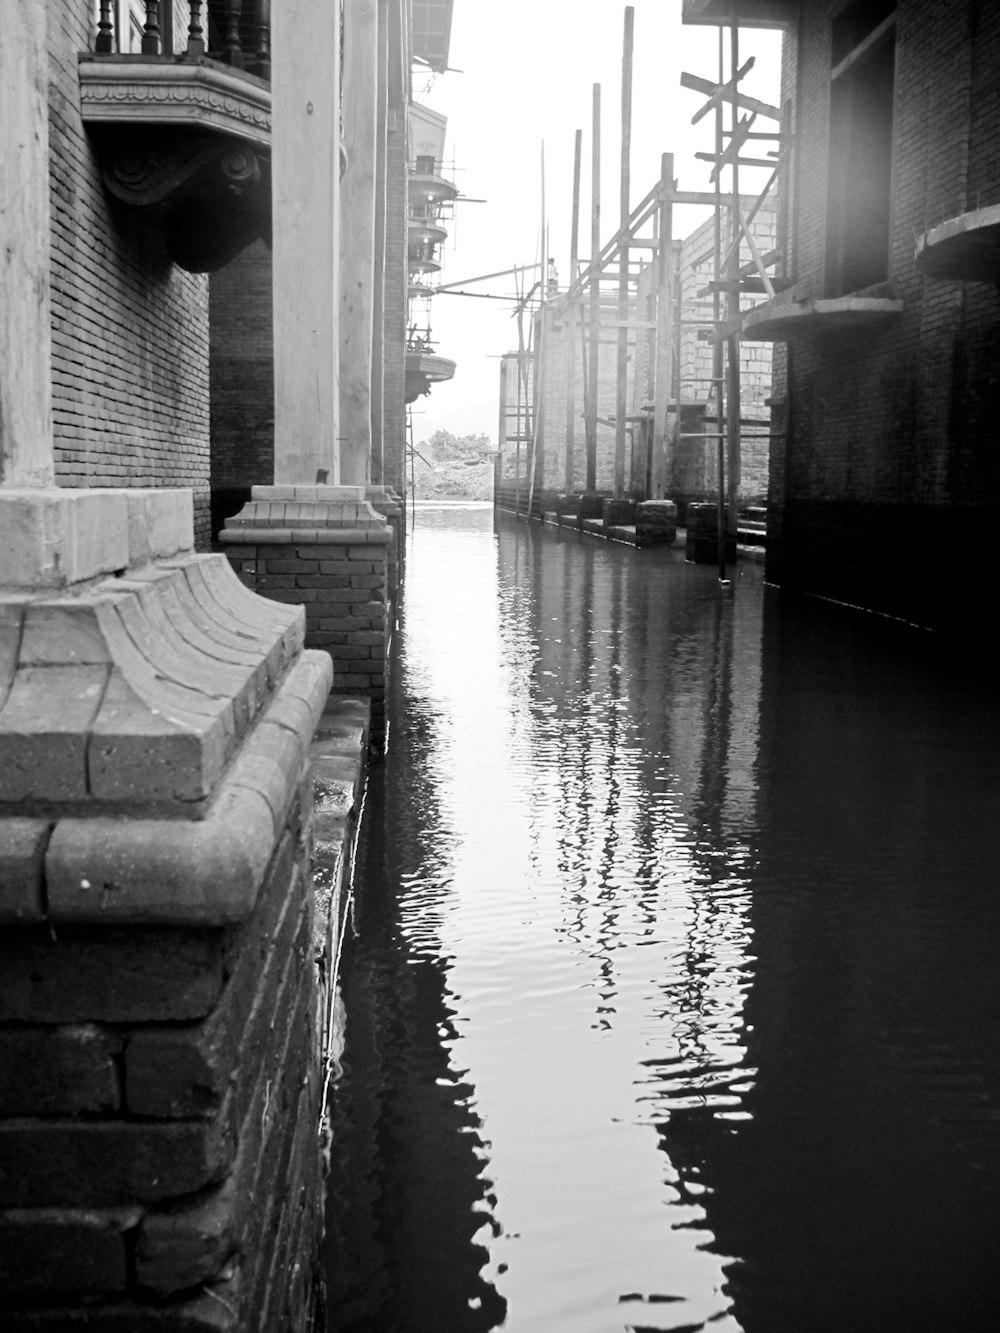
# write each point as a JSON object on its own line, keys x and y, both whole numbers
{"x": 783, "y": 321}
{"x": 424, "y": 189}
{"x": 965, "y": 248}
{"x": 182, "y": 127}
{"x": 424, "y": 370}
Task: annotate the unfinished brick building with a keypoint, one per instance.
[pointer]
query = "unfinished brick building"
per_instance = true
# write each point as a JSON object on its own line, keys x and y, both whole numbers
{"x": 886, "y": 490}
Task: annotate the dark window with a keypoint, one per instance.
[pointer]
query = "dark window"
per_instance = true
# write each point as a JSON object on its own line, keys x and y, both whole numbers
{"x": 861, "y": 102}
{"x": 425, "y": 166}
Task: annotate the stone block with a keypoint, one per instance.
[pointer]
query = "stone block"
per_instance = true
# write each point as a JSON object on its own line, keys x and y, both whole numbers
{"x": 109, "y": 1163}
{"x": 59, "y": 537}
{"x": 64, "y": 1250}
{"x": 66, "y": 1070}
{"x": 160, "y": 524}
{"x": 22, "y": 853}
{"x": 43, "y": 732}
{"x": 109, "y": 975}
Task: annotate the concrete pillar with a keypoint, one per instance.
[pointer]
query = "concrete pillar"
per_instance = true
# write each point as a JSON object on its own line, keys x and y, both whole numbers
{"x": 396, "y": 272}
{"x": 25, "y": 338}
{"x": 305, "y": 92}
{"x": 357, "y": 251}
{"x": 379, "y": 293}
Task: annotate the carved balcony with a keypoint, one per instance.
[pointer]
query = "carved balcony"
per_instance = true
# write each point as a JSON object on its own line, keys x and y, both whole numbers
{"x": 178, "y": 107}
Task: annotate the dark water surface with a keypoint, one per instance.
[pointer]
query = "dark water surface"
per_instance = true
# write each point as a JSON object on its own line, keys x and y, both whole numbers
{"x": 673, "y": 997}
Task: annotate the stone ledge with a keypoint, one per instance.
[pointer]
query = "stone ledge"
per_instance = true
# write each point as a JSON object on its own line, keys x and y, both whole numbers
{"x": 251, "y": 536}
{"x": 208, "y": 871}
{"x": 133, "y": 696}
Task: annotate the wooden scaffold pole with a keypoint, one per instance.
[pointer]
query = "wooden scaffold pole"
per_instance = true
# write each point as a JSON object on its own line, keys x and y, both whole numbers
{"x": 574, "y": 241}
{"x": 663, "y": 375}
{"x": 594, "y": 320}
{"x": 621, "y": 381}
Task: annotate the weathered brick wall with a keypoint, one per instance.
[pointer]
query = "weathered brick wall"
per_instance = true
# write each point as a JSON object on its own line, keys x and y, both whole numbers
{"x": 130, "y": 330}
{"x": 890, "y": 483}
{"x": 242, "y": 381}
{"x": 343, "y": 586}
{"x": 159, "y": 1158}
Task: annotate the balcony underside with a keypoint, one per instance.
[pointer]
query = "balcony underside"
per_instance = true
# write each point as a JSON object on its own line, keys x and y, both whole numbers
{"x": 188, "y": 142}
{"x": 783, "y": 321}
{"x": 423, "y": 371}
{"x": 751, "y": 13}
{"x": 963, "y": 249}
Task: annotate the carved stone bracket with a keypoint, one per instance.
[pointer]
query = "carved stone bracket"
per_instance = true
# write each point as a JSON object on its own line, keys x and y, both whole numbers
{"x": 190, "y": 141}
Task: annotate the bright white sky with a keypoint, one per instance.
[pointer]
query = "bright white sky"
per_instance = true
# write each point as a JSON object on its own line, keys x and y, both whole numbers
{"x": 529, "y": 67}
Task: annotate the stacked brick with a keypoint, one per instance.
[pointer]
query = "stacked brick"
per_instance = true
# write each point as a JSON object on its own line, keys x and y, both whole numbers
{"x": 312, "y": 547}
{"x": 888, "y": 490}
{"x": 130, "y": 330}
{"x": 159, "y": 1166}
{"x": 160, "y": 1090}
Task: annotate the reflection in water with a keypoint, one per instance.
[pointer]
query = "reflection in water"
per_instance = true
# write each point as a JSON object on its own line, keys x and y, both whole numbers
{"x": 671, "y": 1003}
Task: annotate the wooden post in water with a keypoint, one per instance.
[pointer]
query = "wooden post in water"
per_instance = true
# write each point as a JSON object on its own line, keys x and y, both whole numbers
{"x": 571, "y": 317}
{"x": 663, "y": 375}
{"x": 621, "y": 381}
{"x": 594, "y": 319}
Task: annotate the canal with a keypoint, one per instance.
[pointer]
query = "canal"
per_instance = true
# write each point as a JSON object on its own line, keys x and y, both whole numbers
{"x": 672, "y": 980}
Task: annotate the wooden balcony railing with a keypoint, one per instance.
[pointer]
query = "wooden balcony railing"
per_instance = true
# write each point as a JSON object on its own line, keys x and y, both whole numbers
{"x": 234, "y": 32}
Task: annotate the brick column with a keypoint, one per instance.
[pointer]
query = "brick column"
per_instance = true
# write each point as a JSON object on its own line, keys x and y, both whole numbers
{"x": 325, "y": 548}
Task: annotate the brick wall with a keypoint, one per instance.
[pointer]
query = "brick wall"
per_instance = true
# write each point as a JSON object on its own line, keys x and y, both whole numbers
{"x": 130, "y": 330}
{"x": 242, "y": 381}
{"x": 343, "y": 587}
{"x": 890, "y": 482}
{"x": 159, "y": 1153}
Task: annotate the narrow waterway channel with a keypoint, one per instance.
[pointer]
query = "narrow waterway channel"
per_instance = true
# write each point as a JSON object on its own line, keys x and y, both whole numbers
{"x": 672, "y": 988}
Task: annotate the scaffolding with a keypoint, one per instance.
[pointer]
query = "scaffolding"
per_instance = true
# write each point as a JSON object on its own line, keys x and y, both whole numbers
{"x": 628, "y": 291}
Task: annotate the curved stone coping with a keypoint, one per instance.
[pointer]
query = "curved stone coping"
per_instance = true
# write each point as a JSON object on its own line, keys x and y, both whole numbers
{"x": 965, "y": 248}
{"x": 185, "y": 94}
{"x": 779, "y": 321}
{"x": 133, "y": 697}
{"x": 251, "y": 536}
{"x": 149, "y": 871}
{"x": 435, "y": 368}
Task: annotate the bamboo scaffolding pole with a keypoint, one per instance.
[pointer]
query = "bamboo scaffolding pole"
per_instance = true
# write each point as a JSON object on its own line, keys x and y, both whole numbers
{"x": 621, "y": 376}
{"x": 593, "y": 330}
{"x": 733, "y": 409}
{"x": 662, "y": 376}
{"x": 574, "y": 241}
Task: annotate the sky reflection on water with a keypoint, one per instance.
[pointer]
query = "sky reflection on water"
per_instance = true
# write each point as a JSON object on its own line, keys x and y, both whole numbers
{"x": 655, "y": 1007}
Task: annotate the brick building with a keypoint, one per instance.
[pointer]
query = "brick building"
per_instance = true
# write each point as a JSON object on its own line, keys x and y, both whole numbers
{"x": 162, "y": 945}
{"x": 886, "y": 492}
